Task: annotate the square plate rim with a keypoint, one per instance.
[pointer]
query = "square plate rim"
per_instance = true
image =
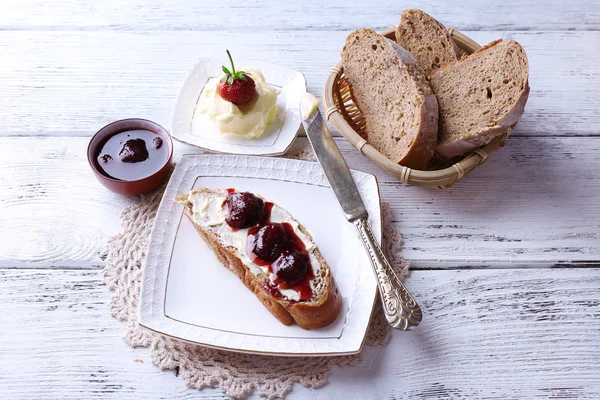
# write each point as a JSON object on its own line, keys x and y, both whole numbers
{"x": 151, "y": 322}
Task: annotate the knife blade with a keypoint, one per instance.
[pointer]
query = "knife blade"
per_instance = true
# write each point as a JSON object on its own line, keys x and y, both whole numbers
{"x": 401, "y": 309}
{"x": 335, "y": 167}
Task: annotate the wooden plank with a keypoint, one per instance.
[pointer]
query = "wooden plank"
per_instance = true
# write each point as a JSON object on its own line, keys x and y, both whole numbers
{"x": 273, "y": 15}
{"x": 532, "y": 203}
{"x": 486, "y": 334}
{"x": 76, "y": 82}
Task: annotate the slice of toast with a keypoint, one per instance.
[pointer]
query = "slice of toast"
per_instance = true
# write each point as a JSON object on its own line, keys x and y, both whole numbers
{"x": 399, "y": 107}
{"x": 480, "y": 96}
{"x": 206, "y": 211}
{"x": 427, "y": 39}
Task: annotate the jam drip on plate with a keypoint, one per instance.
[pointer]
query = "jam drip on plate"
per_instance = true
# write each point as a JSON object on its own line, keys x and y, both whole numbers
{"x": 272, "y": 245}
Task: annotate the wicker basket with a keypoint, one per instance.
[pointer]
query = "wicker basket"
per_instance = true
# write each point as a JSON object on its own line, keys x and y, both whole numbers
{"x": 345, "y": 116}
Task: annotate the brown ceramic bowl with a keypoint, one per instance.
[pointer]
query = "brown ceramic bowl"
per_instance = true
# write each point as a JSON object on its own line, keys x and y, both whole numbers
{"x": 133, "y": 187}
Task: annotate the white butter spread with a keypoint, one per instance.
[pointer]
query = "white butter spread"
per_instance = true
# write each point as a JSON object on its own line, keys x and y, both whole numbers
{"x": 289, "y": 293}
{"x": 208, "y": 212}
{"x": 308, "y": 105}
{"x": 232, "y": 120}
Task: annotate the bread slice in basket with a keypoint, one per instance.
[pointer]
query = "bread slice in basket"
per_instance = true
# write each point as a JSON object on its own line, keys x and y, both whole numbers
{"x": 286, "y": 271}
{"x": 399, "y": 107}
{"x": 480, "y": 96}
{"x": 426, "y": 39}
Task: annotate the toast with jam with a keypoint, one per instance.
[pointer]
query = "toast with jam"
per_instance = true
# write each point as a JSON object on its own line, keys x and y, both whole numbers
{"x": 272, "y": 254}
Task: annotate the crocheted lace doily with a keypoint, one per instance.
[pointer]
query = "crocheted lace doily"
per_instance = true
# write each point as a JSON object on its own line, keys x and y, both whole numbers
{"x": 235, "y": 373}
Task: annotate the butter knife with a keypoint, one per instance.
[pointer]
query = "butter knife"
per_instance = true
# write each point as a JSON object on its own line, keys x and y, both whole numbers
{"x": 401, "y": 310}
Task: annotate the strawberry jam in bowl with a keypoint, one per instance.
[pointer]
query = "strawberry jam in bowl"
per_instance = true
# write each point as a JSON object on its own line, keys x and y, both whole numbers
{"x": 131, "y": 156}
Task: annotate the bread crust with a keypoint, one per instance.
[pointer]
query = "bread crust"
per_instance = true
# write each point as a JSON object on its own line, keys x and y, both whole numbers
{"x": 421, "y": 24}
{"x": 421, "y": 152}
{"x": 313, "y": 314}
{"x": 449, "y": 146}
{"x": 463, "y": 145}
{"x": 420, "y": 143}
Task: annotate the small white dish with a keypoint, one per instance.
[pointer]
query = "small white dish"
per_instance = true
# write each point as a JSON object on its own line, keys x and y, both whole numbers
{"x": 189, "y": 295}
{"x": 193, "y": 128}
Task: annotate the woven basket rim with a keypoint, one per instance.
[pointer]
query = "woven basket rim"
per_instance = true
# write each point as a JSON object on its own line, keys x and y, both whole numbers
{"x": 443, "y": 177}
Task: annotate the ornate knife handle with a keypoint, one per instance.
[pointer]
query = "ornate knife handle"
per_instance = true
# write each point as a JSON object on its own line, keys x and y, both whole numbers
{"x": 401, "y": 310}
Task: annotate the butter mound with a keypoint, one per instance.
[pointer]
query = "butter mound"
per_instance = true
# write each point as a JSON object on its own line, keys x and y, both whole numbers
{"x": 308, "y": 105}
{"x": 249, "y": 120}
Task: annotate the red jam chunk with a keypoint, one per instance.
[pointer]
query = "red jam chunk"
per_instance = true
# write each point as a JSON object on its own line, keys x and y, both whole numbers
{"x": 295, "y": 242}
{"x": 269, "y": 241}
{"x": 303, "y": 287}
{"x": 276, "y": 246}
{"x": 291, "y": 266}
{"x": 134, "y": 150}
{"x": 244, "y": 210}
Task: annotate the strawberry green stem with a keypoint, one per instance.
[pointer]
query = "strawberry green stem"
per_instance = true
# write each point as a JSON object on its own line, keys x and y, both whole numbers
{"x": 231, "y": 59}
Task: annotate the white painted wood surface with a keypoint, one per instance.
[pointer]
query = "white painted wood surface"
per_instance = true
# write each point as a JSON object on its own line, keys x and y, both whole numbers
{"x": 509, "y": 331}
{"x": 73, "y": 83}
{"x": 486, "y": 334}
{"x": 274, "y": 15}
{"x": 533, "y": 203}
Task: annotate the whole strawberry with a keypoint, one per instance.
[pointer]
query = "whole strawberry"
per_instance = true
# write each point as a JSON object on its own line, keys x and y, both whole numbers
{"x": 236, "y": 87}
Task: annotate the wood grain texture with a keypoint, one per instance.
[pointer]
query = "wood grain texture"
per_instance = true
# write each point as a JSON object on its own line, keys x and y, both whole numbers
{"x": 67, "y": 67}
{"x": 486, "y": 334}
{"x": 282, "y": 15}
{"x": 73, "y": 83}
{"x": 531, "y": 204}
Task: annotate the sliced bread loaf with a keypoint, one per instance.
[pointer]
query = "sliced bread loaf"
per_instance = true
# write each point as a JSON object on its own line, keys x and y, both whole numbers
{"x": 480, "y": 96}
{"x": 427, "y": 40}
{"x": 399, "y": 107}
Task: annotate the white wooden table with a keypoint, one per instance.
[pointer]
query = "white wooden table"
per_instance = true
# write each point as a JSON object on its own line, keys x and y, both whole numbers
{"x": 506, "y": 264}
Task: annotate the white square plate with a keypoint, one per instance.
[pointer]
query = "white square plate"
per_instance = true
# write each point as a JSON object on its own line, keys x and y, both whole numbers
{"x": 278, "y": 136}
{"x": 189, "y": 295}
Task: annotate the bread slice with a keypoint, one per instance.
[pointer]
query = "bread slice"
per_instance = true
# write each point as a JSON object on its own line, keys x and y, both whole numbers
{"x": 480, "y": 96}
{"x": 204, "y": 208}
{"x": 427, "y": 39}
{"x": 396, "y": 100}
